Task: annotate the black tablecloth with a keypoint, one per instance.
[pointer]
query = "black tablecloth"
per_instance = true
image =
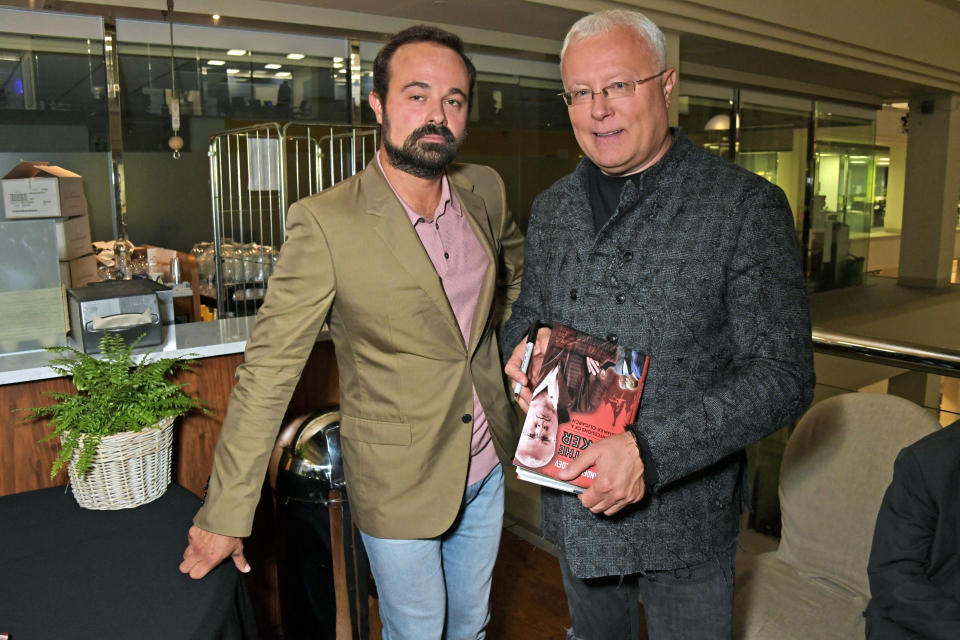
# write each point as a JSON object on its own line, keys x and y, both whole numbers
{"x": 67, "y": 572}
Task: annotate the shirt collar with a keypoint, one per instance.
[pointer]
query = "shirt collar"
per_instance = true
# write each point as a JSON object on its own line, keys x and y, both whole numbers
{"x": 448, "y": 202}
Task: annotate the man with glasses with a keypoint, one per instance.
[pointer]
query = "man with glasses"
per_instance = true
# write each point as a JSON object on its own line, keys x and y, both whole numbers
{"x": 658, "y": 245}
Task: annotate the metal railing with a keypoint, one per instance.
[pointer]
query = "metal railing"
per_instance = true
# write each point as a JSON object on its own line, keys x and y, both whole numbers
{"x": 906, "y": 355}
{"x": 256, "y": 172}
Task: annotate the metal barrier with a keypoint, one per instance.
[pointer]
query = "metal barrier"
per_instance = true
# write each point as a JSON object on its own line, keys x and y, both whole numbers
{"x": 256, "y": 172}
{"x": 906, "y": 355}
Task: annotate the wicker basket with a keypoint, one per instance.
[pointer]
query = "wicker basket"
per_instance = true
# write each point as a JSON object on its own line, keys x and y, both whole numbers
{"x": 129, "y": 469}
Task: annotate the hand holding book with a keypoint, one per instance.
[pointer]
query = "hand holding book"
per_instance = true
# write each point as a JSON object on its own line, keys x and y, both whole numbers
{"x": 619, "y": 468}
{"x": 587, "y": 391}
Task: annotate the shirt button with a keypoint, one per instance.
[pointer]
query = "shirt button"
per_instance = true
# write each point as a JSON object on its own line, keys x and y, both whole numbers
{"x": 621, "y": 298}
{"x": 573, "y": 294}
{"x": 437, "y": 225}
{"x": 466, "y": 418}
{"x": 612, "y": 337}
{"x": 446, "y": 255}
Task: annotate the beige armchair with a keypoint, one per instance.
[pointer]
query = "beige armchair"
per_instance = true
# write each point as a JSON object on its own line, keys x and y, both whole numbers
{"x": 836, "y": 466}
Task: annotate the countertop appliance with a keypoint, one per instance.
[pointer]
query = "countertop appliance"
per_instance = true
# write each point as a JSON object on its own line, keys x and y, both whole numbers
{"x": 128, "y": 308}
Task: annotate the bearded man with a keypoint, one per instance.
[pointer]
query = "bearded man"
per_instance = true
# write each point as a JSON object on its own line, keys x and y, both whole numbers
{"x": 412, "y": 263}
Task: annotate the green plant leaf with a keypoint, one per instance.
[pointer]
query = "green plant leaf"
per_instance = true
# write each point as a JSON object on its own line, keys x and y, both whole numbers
{"x": 114, "y": 393}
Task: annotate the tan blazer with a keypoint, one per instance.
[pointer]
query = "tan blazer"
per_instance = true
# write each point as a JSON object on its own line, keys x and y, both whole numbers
{"x": 352, "y": 258}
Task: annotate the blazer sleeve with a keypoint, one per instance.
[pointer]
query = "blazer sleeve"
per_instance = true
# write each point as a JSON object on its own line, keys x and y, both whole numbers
{"x": 511, "y": 264}
{"x": 299, "y": 296}
{"x": 903, "y": 594}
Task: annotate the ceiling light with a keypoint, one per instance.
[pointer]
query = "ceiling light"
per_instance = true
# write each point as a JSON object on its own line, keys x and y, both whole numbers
{"x": 216, "y": 63}
{"x": 272, "y": 65}
{"x": 283, "y": 74}
{"x": 233, "y": 71}
{"x": 237, "y": 52}
{"x": 294, "y": 56}
{"x": 215, "y": 17}
{"x": 337, "y": 59}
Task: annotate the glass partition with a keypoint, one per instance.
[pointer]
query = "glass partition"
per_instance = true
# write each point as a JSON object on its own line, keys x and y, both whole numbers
{"x": 52, "y": 94}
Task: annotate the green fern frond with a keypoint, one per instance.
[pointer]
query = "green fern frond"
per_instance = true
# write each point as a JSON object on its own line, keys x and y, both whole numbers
{"x": 115, "y": 393}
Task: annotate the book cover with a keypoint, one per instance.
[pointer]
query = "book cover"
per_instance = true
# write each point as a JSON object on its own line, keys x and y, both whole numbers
{"x": 588, "y": 389}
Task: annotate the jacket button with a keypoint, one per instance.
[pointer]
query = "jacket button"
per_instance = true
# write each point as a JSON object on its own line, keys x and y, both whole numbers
{"x": 612, "y": 337}
{"x": 573, "y": 294}
{"x": 628, "y": 256}
{"x": 466, "y": 418}
{"x": 621, "y": 298}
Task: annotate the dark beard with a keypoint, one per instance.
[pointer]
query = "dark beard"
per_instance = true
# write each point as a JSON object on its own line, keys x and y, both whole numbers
{"x": 425, "y": 160}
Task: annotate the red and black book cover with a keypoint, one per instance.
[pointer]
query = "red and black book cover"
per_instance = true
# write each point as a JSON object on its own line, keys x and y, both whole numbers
{"x": 587, "y": 389}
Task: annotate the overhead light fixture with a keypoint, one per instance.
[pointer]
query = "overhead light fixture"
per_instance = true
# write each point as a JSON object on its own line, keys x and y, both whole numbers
{"x": 216, "y": 63}
{"x": 294, "y": 56}
{"x": 337, "y": 59}
{"x": 216, "y": 17}
{"x": 233, "y": 71}
{"x": 237, "y": 52}
{"x": 282, "y": 74}
{"x": 272, "y": 65}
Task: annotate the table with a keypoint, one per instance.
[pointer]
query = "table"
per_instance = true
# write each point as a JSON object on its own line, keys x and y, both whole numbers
{"x": 67, "y": 572}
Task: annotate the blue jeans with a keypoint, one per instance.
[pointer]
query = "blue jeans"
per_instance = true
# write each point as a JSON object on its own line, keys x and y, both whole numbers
{"x": 440, "y": 587}
{"x": 694, "y": 603}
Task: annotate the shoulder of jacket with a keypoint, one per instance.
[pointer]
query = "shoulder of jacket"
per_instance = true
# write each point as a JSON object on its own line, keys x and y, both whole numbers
{"x": 331, "y": 200}
{"x": 476, "y": 177}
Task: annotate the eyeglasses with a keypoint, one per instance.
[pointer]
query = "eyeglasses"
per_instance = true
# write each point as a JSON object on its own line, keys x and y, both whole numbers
{"x": 623, "y": 89}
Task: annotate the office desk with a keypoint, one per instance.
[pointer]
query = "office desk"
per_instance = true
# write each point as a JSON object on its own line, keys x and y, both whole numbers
{"x": 67, "y": 572}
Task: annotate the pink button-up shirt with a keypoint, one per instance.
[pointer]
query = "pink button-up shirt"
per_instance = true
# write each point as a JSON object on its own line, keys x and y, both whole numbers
{"x": 461, "y": 263}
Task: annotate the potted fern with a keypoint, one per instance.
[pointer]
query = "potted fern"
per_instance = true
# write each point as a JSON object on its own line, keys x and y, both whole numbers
{"x": 116, "y": 430}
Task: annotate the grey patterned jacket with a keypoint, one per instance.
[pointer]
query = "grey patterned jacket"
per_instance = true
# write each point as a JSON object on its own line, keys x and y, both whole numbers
{"x": 700, "y": 269}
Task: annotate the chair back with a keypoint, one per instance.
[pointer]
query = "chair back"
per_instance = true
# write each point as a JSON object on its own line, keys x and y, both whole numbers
{"x": 836, "y": 467}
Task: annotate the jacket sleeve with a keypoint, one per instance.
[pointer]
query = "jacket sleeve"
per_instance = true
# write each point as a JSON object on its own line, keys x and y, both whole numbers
{"x": 899, "y": 565}
{"x": 510, "y": 267}
{"x": 769, "y": 379}
{"x": 298, "y": 299}
{"x": 529, "y": 305}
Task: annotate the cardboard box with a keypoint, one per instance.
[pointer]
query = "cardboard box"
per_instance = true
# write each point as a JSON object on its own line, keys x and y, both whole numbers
{"x": 73, "y": 237}
{"x": 41, "y": 190}
{"x": 79, "y": 271}
{"x": 32, "y": 305}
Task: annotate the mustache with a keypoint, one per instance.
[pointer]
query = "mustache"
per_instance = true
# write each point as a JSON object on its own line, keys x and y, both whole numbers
{"x": 432, "y": 130}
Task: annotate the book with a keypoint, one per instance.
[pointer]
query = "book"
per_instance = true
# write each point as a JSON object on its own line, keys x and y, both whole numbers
{"x": 587, "y": 389}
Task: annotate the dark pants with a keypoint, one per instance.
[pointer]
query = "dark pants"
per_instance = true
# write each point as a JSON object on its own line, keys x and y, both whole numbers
{"x": 694, "y": 603}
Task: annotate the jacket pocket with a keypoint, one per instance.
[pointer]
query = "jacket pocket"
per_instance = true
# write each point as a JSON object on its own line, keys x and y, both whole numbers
{"x": 375, "y": 431}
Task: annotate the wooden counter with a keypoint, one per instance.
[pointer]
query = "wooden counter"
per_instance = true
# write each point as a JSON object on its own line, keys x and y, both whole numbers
{"x": 25, "y": 462}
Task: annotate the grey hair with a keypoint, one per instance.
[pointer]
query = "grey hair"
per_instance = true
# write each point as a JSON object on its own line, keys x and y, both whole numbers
{"x": 604, "y": 21}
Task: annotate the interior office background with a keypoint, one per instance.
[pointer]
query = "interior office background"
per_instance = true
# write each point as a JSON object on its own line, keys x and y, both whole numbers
{"x": 821, "y": 100}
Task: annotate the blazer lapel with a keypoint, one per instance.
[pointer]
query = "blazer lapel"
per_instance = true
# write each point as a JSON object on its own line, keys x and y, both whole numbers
{"x": 393, "y": 226}
{"x": 475, "y": 210}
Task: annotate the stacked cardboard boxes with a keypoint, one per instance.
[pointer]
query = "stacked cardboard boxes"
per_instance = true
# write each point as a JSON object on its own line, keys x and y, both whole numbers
{"x": 33, "y": 190}
{"x": 46, "y": 248}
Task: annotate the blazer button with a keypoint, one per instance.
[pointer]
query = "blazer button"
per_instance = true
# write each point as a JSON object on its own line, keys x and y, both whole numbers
{"x": 628, "y": 256}
{"x": 612, "y": 337}
{"x": 466, "y": 418}
{"x": 621, "y": 298}
{"x": 573, "y": 294}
